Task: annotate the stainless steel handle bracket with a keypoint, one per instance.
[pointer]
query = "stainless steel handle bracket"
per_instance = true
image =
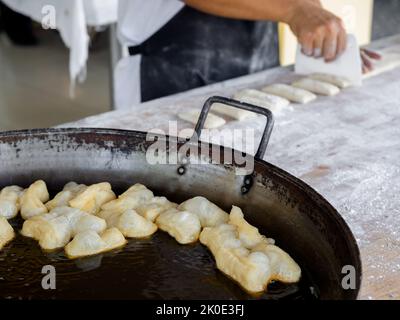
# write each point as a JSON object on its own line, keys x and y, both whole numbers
{"x": 248, "y": 179}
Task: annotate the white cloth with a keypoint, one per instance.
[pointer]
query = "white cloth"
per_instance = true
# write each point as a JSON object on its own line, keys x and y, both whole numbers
{"x": 100, "y": 12}
{"x": 72, "y": 18}
{"x": 138, "y": 20}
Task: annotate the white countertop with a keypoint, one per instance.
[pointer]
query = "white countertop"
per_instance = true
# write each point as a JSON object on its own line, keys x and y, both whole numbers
{"x": 346, "y": 147}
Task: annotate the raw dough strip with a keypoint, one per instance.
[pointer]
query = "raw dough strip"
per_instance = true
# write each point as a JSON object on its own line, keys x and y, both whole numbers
{"x": 389, "y": 61}
{"x": 291, "y": 93}
{"x": 235, "y": 113}
{"x": 338, "y": 81}
{"x": 272, "y": 102}
{"x": 276, "y": 101}
{"x": 316, "y": 86}
{"x": 212, "y": 121}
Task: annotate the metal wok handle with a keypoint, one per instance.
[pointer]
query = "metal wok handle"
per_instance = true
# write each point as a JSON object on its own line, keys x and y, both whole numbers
{"x": 241, "y": 105}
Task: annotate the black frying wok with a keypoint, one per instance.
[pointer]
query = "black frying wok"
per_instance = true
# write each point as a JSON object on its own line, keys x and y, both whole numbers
{"x": 300, "y": 220}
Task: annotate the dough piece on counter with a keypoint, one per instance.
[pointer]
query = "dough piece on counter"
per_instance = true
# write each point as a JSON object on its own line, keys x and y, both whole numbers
{"x": 155, "y": 207}
{"x": 247, "y": 233}
{"x": 316, "y": 86}
{"x": 182, "y": 225}
{"x": 235, "y": 113}
{"x": 9, "y": 201}
{"x": 389, "y": 61}
{"x": 338, "y": 81}
{"x": 263, "y": 103}
{"x": 32, "y": 200}
{"x": 132, "y": 198}
{"x": 212, "y": 121}
{"x": 209, "y": 214}
{"x": 130, "y": 223}
{"x": 272, "y": 102}
{"x": 70, "y": 191}
{"x": 250, "y": 269}
{"x": 6, "y": 232}
{"x": 89, "y": 243}
{"x": 291, "y": 93}
{"x": 56, "y": 228}
{"x": 93, "y": 197}
{"x": 277, "y": 102}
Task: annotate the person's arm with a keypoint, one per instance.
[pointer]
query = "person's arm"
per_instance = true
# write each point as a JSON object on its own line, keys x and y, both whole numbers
{"x": 319, "y": 32}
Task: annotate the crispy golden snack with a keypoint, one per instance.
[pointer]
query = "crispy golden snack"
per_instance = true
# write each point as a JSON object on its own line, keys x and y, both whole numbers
{"x": 55, "y": 229}
{"x": 130, "y": 223}
{"x": 210, "y": 215}
{"x": 248, "y": 257}
{"x": 33, "y": 199}
{"x": 89, "y": 243}
{"x": 135, "y": 196}
{"x": 9, "y": 201}
{"x": 93, "y": 197}
{"x": 6, "y": 232}
{"x": 184, "y": 226}
{"x": 70, "y": 191}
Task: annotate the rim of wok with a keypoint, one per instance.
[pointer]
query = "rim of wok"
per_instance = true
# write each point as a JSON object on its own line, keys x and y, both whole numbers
{"x": 259, "y": 166}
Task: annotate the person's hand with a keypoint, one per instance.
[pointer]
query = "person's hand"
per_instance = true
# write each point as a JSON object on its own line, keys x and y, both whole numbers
{"x": 319, "y": 32}
{"x": 366, "y": 57}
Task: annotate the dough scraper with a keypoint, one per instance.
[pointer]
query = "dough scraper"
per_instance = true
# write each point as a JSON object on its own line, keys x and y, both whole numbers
{"x": 347, "y": 65}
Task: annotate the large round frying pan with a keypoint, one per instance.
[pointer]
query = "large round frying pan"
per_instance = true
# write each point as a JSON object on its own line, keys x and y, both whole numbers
{"x": 300, "y": 220}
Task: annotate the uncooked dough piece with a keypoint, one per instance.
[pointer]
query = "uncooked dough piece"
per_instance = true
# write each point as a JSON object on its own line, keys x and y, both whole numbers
{"x": 32, "y": 200}
{"x": 247, "y": 233}
{"x": 70, "y": 191}
{"x": 212, "y": 121}
{"x": 56, "y": 228}
{"x": 263, "y": 103}
{"x": 89, "y": 243}
{"x": 250, "y": 269}
{"x": 389, "y": 61}
{"x": 9, "y": 201}
{"x": 209, "y": 214}
{"x": 132, "y": 198}
{"x": 338, "y": 81}
{"x": 182, "y": 225}
{"x": 130, "y": 223}
{"x": 291, "y": 93}
{"x": 316, "y": 86}
{"x": 252, "y": 96}
{"x": 93, "y": 197}
{"x": 235, "y": 113}
{"x": 154, "y": 207}
{"x": 6, "y": 232}
{"x": 276, "y": 101}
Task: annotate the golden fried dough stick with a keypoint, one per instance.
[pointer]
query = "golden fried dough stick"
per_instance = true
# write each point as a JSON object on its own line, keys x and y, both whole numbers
{"x": 33, "y": 199}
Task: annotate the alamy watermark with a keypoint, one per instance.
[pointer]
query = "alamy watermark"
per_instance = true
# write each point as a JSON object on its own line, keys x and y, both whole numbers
{"x": 349, "y": 281}
{"x": 49, "y": 280}
{"x": 49, "y": 17}
{"x": 185, "y": 147}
